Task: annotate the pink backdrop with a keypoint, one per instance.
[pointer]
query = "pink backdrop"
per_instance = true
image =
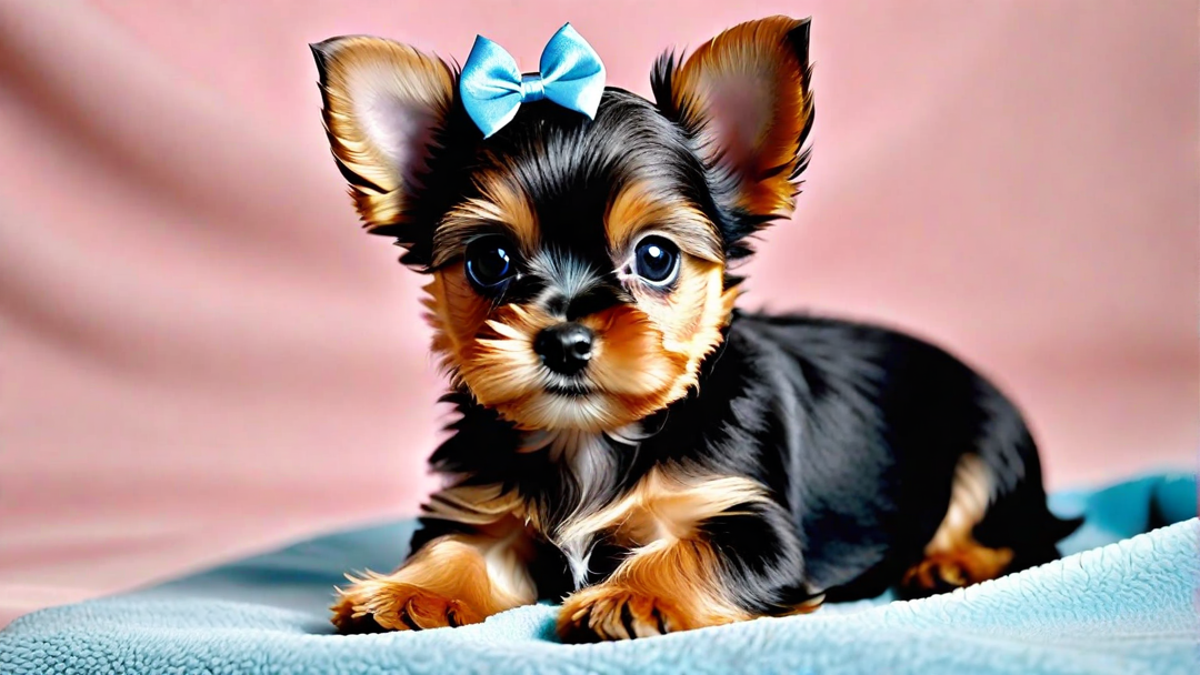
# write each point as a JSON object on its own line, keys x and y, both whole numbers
{"x": 202, "y": 355}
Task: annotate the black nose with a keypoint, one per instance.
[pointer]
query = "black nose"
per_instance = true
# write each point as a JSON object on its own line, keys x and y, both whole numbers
{"x": 564, "y": 348}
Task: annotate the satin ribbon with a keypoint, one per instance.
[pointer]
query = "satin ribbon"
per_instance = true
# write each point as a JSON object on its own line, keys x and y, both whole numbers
{"x": 492, "y": 87}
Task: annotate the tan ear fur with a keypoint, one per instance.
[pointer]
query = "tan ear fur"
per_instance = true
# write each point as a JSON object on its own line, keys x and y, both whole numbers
{"x": 746, "y": 95}
{"x": 382, "y": 105}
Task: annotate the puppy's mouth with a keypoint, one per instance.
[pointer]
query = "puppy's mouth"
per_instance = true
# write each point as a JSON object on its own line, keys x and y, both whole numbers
{"x": 569, "y": 388}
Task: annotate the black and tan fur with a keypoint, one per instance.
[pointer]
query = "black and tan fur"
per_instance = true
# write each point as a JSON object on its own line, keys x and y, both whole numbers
{"x": 708, "y": 465}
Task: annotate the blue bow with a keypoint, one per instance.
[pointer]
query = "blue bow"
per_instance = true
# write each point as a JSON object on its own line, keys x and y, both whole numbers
{"x": 493, "y": 88}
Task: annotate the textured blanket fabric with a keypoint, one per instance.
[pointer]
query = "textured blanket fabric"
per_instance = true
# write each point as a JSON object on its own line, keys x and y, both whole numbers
{"x": 1123, "y": 602}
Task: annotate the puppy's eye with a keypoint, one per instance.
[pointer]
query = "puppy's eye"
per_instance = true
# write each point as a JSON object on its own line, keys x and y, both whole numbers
{"x": 656, "y": 260}
{"x": 490, "y": 262}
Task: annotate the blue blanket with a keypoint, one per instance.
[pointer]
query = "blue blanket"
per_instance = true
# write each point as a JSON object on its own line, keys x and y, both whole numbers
{"x": 1124, "y": 602}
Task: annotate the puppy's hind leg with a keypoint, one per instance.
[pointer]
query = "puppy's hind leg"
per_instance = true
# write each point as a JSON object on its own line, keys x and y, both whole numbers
{"x": 954, "y": 558}
{"x": 989, "y": 530}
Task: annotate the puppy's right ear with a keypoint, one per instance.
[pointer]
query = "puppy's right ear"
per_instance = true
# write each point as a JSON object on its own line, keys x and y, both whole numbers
{"x": 384, "y": 103}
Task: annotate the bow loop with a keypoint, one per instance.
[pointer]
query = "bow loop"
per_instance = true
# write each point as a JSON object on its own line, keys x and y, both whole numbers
{"x": 571, "y": 75}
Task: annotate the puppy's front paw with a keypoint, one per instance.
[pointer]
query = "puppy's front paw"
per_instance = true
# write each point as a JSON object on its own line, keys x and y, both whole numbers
{"x": 613, "y": 612}
{"x": 377, "y": 603}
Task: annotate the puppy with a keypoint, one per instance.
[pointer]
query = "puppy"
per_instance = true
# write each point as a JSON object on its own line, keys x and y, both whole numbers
{"x": 626, "y": 438}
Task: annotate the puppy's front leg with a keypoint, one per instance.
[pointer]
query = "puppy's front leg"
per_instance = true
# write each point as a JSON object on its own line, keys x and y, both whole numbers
{"x": 460, "y": 575}
{"x": 705, "y": 553}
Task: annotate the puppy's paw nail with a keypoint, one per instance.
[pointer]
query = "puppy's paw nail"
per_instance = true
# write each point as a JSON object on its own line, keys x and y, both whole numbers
{"x": 602, "y": 613}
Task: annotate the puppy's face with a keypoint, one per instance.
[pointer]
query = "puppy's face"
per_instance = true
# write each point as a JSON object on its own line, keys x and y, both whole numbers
{"x": 578, "y": 281}
{"x": 579, "y": 267}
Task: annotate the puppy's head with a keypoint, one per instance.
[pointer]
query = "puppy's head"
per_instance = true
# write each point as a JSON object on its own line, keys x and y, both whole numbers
{"x": 578, "y": 267}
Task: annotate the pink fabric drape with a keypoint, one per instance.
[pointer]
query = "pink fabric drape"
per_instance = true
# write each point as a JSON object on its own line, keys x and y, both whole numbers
{"x": 200, "y": 354}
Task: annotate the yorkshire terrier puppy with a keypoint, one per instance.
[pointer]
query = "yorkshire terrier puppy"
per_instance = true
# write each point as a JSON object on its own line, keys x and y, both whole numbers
{"x": 627, "y": 438}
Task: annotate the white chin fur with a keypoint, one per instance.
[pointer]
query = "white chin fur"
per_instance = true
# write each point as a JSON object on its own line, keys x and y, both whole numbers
{"x": 558, "y": 411}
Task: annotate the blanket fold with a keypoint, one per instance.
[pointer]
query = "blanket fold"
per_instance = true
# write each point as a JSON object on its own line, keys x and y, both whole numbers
{"x": 1123, "y": 601}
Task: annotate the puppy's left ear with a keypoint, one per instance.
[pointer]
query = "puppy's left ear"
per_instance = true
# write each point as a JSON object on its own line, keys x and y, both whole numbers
{"x": 384, "y": 106}
{"x": 744, "y": 96}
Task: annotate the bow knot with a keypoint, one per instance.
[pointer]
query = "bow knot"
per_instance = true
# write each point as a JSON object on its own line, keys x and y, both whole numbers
{"x": 492, "y": 87}
{"x": 532, "y": 88}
